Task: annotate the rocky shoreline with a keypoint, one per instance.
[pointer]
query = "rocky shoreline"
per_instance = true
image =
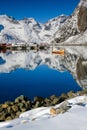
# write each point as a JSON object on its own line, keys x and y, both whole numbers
{"x": 11, "y": 110}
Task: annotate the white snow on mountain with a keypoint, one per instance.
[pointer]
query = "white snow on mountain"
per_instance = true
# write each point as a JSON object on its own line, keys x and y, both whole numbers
{"x": 62, "y": 29}
{"x": 50, "y": 28}
{"x": 28, "y": 30}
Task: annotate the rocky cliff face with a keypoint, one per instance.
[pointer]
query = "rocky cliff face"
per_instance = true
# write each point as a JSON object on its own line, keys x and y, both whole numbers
{"x": 74, "y": 25}
{"x": 82, "y": 72}
{"x": 82, "y": 18}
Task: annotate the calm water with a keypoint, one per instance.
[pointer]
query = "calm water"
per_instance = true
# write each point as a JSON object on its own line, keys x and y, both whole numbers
{"x": 40, "y": 74}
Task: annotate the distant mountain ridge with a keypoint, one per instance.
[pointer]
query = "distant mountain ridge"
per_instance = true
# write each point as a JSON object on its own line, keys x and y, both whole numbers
{"x": 28, "y": 30}
{"x": 59, "y": 30}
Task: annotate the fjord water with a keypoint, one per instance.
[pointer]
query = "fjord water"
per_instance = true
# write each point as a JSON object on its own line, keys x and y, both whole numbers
{"x": 42, "y": 73}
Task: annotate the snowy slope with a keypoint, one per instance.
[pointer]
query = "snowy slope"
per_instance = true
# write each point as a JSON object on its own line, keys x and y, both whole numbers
{"x": 42, "y": 119}
{"x": 80, "y": 39}
{"x": 50, "y": 28}
{"x": 17, "y": 31}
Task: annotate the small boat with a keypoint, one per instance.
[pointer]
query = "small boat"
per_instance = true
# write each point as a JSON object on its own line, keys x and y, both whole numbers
{"x": 60, "y": 52}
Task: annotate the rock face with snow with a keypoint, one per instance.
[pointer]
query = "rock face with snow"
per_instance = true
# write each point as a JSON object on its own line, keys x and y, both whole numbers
{"x": 82, "y": 16}
{"x": 28, "y": 30}
{"x": 50, "y": 28}
{"x": 67, "y": 30}
{"x": 82, "y": 72}
{"x": 74, "y": 27}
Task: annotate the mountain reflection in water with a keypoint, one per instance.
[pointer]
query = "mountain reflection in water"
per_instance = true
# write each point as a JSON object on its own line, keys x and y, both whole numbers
{"x": 49, "y": 73}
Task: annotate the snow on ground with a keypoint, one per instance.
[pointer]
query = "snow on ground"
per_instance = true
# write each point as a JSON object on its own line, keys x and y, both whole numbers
{"x": 41, "y": 119}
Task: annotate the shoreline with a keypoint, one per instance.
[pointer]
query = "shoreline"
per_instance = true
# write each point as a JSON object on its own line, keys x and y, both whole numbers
{"x": 10, "y": 110}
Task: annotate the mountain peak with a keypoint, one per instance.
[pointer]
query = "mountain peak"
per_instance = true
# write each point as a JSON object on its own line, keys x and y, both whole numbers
{"x": 58, "y": 29}
{"x": 83, "y": 3}
{"x": 30, "y": 19}
{"x": 3, "y": 16}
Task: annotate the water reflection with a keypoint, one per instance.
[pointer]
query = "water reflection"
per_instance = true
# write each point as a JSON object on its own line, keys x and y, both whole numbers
{"x": 1, "y": 61}
{"x": 73, "y": 61}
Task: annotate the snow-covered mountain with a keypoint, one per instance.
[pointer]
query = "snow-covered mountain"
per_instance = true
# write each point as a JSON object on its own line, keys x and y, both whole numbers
{"x": 50, "y": 28}
{"x": 74, "y": 29}
{"x": 62, "y": 29}
{"x": 28, "y": 30}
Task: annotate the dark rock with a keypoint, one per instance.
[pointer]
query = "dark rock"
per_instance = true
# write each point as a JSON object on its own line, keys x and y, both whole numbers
{"x": 38, "y": 104}
{"x": 20, "y": 105}
{"x": 2, "y": 118}
{"x": 21, "y": 99}
{"x": 71, "y": 94}
{"x": 62, "y": 98}
{"x": 29, "y": 103}
{"x": 40, "y": 99}
{"x": 1, "y": 109}
{"x": 17, "y": 100}
{"x": 12, "y": 115}
{"x": 18, "y": 113}
{"x": 9, "y": 109}
{"x": 55, "y": 101}
{"x": 15, "y": 108}
{"x": 9, "y": 118}
{"x": 3, "y": 115}
{"x": 53, "y": 97}
{"x": 28, "y": 106}
{"x": 82, "y": 19}
{"x": 23, "y": 109}
{"x": 60, "y": 110}
{"x": 47, "y": 102}
{"x": 82, "y": 72}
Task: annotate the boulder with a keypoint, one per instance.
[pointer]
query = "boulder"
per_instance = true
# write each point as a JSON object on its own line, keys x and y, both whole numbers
{"x": 15, "y": 108}
{"x": 53, "y": 111}
{"x": 4, "y": 106}
{"x": 37, "y": 98}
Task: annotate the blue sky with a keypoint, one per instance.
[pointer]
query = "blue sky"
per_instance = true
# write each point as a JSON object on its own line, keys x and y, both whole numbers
{"x": 41, "y": 10}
